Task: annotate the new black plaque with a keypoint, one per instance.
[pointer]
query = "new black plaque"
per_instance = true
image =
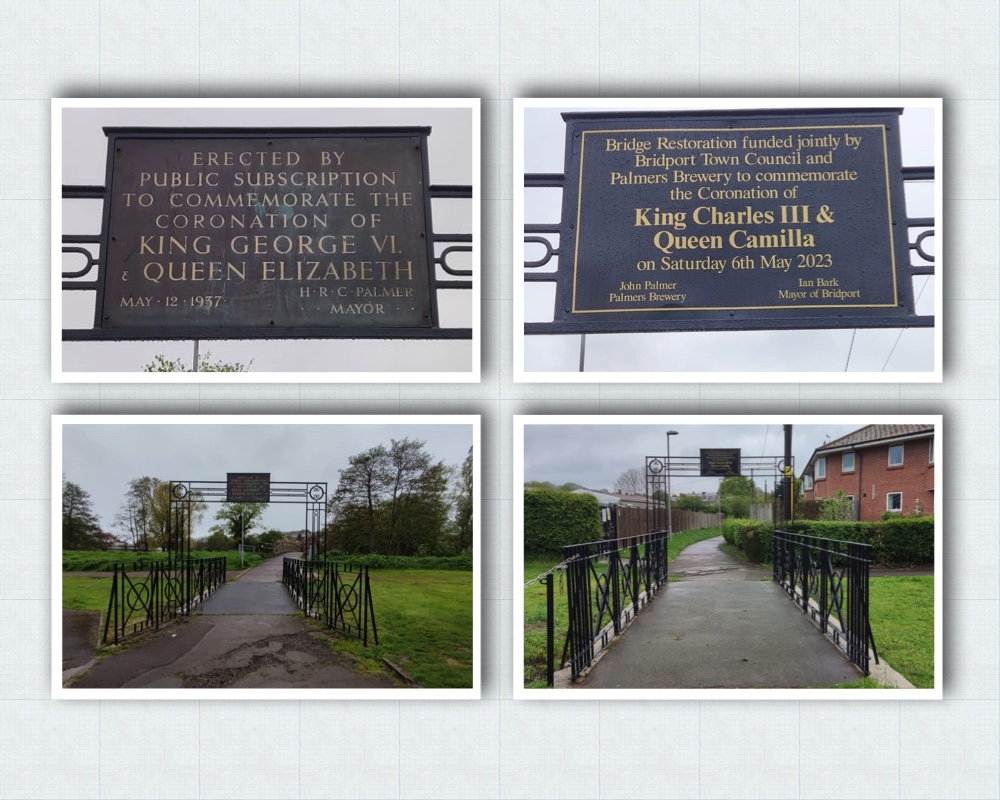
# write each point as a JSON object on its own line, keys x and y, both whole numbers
{"x": 720, "y": 463}
{"x": 256, "y": 231}
{"x": 728, "y": 216}
{"x": 248, "y": 487}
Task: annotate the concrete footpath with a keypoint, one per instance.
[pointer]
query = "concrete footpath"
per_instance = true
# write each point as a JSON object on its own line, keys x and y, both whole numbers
{"x": 724, "y": 624}
{"x": 243, "y": 636}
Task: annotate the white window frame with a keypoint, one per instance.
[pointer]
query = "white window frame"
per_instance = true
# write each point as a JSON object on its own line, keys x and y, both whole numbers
{"x": 901, "y": 455}
{"x": 842, "y": 467}
{"x": 807, "y": 484}
{"x": 821, "y": 468}
{"x": 888, "y": 502}
{"x": 930, "y": 451}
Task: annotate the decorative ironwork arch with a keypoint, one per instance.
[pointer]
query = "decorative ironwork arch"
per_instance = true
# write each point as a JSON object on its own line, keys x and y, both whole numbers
{"x": 184, "y": 495}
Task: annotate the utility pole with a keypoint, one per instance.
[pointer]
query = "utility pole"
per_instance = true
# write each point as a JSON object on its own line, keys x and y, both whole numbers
{"x": 789, "y": 479}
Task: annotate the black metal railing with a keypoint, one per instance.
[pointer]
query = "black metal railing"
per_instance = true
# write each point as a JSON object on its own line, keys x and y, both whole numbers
{"x": 338, "y": 594}
{"x": 607, "y": 584}
{"x": 146, "y": 594}
{"x": 828, "y": 579}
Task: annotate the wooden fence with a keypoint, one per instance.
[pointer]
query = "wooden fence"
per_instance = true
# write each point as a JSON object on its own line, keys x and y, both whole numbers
{"x": 636, "y": 520}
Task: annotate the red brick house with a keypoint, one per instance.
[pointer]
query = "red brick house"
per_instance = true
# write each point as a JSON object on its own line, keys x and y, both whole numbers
{"x": 880, "y": 467}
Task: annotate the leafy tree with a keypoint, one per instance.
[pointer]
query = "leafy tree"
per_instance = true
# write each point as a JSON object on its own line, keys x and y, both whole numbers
{"x": 205, "y": 364}
{"x": 360, "y": 491}
{"x": 271, "y": 537}
{"x": 144, "y": 516}
{"x": 837, "y": 507}
{"x": 238, "y": 521}
{"x": 631, "y": 481}
{"x": 215, "y": 542}
{"x": 694, "y": 502}
{"x": 464, "y": 505}
{"x": 734, "y": 496}
{"x": 81, "y": 526}
{"x": 392, "y": 501}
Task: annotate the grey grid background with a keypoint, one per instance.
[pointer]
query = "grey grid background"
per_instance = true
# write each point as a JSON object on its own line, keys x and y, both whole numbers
{"x": 496, "y": 50}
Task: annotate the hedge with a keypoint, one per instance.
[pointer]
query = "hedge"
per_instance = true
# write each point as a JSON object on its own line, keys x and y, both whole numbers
{"x": 105, "y": 560}
{"x": 553, "y": 520}
{"x": 897, "y": 542}
{"x": 380, "y": 561}
{"x": 754, "y": 538}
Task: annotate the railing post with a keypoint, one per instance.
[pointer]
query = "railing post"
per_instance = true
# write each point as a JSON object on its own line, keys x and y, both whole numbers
{"x": 826, "y": 570}
{"x": 613, "y": 577}
{"x": 550, "y": 633}
{"x": 637, "y": 565}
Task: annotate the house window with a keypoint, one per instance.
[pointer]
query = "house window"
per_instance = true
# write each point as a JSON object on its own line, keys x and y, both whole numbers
{"x": 820, "y": 468}
{"x": 847, "y": 462}
{"x": 894, "y": 501}
{"x": 808, "y": 484}
{"x": 896, "y": 455}
{"x": 930, "y": 450}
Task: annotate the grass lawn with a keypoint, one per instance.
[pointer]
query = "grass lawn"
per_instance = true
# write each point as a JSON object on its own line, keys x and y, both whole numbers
{"x": 424, "y": 620}
{"x": 535, "y": 613}
{"x": 902, "y": 620}
{"x": 86, "y": 593}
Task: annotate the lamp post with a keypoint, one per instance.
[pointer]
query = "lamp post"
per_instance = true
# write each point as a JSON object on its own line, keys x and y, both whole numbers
{"x": 670, "y": 497}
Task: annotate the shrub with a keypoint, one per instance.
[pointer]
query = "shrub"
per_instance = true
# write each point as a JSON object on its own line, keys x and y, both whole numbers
{"x": 754, "y": 538}
{"x": 553, "y": 520}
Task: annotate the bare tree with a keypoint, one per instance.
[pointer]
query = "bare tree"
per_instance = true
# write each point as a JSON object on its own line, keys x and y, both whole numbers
{"x": 631, "y": 481}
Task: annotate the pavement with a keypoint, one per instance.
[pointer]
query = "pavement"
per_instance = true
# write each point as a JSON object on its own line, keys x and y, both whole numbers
{"x": 243, "y": 636}
{"x": 723, "y": 624}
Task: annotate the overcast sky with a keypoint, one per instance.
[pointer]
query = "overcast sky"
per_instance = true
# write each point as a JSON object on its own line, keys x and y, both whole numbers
{"x": 864, "y": 350}
{"x": 83, "y": 152}
{"x": 594, "y": 455}
{"x": 104, "y": 458}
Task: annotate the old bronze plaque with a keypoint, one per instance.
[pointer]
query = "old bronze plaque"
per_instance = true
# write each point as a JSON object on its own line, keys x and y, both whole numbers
{"x": 248, "y": 487}
{"x": 731, "y": 215}
{"x": 720, "y": 463}
{"x": 250, "y": 232}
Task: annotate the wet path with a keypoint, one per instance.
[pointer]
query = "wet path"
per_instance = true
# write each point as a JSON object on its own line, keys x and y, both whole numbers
{"x": 243, "y": 636}
{"x": 724, "y": 624}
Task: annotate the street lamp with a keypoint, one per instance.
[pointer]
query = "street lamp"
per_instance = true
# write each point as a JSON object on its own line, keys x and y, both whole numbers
{"x": 670, "y": 513}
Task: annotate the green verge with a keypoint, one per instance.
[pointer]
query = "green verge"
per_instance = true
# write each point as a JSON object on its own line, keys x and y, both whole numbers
{"x": 902, "y": 619}
{"x": 424, "y": 620}
{"x": 535, "y": 612}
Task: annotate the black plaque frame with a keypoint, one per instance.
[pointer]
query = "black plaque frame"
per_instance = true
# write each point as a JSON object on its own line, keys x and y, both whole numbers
{"x": 711, "y": 456}
{"x": 94, "y": 247}
{"x": 259, "y": 481}
{"x": 565, "y": 320}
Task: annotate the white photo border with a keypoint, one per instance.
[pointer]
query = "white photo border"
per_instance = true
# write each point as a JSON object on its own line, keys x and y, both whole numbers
{"x": 58, "y": 105}
{"x": 521, "y": 422}
{"x": 60, "y": 692}
{"x": 667, "y": 104}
